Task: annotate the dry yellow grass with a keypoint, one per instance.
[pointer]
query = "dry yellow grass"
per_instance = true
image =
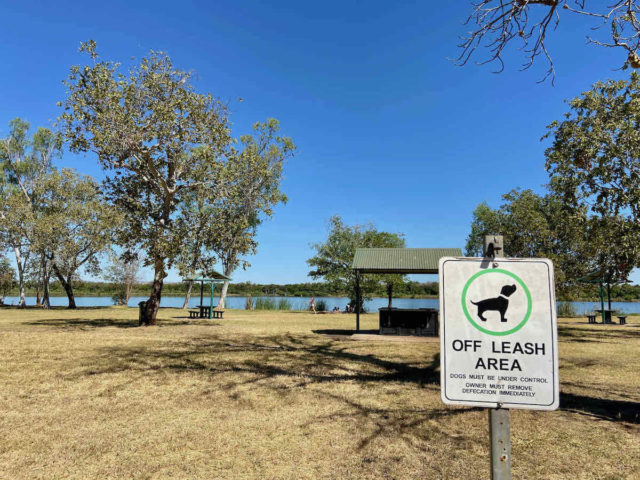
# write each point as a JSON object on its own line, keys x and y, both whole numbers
{"x": 277, "y": 395}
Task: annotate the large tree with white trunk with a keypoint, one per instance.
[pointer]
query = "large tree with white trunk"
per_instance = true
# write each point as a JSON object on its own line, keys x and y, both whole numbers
{"x": 157, "y": 139}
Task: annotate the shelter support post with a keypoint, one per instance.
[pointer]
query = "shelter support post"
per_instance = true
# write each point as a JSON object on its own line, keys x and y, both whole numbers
{"x": 201, "y": 292}
{"x": 602, "y": 303}
{"x": 358, "y": 302}
{"x": 499, "y": 418}
{"x": 211, "y": 303}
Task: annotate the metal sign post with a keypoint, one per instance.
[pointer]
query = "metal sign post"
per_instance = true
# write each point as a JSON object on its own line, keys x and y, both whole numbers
{"x": 499, "y": 418}
{"x": 498, "y": 340}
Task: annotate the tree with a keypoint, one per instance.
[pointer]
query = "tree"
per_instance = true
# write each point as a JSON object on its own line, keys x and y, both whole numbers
{"x": 498, "y": 23}
{"x": 486, "y": 221}
{"x": 255, "y": 175}
{"x": 157, "y": 139}
{"x": 594, "y": 164}
{"x": 7, "y": 278}
{"x": 333, "y": 258}
{"x": 24, "y": 164}
{"x": 537, "y": 226}
{"x": 76, "y": 226}
{"x": 200, "y": 229}
{"x": 123, "y": 271}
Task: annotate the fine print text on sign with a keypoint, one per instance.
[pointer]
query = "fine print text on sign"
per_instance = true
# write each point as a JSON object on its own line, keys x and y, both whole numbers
{"x": 498, "y": 337}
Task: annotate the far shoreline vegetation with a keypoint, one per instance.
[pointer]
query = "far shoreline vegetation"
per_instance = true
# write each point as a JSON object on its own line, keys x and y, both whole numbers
{"x": 586, "y": 293}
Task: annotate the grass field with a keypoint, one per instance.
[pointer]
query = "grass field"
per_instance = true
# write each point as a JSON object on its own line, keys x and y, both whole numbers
{"x": 280, "y": 395}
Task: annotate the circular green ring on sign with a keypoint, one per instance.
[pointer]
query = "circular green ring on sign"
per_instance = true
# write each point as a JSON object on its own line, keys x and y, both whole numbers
{"x": 517, "y": 279}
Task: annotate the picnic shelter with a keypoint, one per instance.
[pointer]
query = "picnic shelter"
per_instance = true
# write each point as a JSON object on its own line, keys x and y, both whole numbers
{"x": 400, "y": 261}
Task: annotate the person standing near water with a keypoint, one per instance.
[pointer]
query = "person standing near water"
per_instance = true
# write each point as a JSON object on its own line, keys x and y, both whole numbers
{"x": 312, "y": 304}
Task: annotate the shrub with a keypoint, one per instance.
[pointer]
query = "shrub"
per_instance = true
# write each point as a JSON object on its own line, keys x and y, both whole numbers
{"x": 566, "y": 309}
{"x": 284, "y": 304}
{"x": 321, "y": 306}
{"x": 265, "y": 304}
{"x": 248, "y": 304}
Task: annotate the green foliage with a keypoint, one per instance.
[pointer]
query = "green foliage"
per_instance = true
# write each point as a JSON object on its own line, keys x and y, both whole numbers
{"x": 123, "y": 272}
{"x": 594, "y": 163}
{"x": 248, "y": 304}
{"x": 321, "y": 306}
{"x": 160, "y": 142}
{"x": 25, "y": 163}
{"x": 75, "y": 227}
{"x": 566, "y": 309}
{"x": 265, "y": 304}
{"x": 537, "y": 226}
{"x": 254, "y": 174}
{"x": 7, "y": 278}
{"x": 284, "y": 304}
{"x": 333, "y": 258}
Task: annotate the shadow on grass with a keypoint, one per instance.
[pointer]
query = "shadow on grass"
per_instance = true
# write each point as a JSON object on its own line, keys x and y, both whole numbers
{"x": 84, "y": 323}
{"x": 342, "y": 333}
{"x": 284, "y": 363}
{"x": 603, "y": 408}
{"x": 281, "y": 365}
{"x": 599, "y": 335}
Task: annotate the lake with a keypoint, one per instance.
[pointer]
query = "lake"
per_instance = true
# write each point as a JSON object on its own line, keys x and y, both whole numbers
{"x": 302, "y": 303}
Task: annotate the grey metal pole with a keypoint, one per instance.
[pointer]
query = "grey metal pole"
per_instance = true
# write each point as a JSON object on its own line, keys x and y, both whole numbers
{"x": 499, "y": 418}
{"x": 500, "y": 432}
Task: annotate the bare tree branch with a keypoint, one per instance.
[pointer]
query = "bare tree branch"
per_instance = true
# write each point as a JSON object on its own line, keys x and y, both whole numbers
{"x": 497, "y": 23}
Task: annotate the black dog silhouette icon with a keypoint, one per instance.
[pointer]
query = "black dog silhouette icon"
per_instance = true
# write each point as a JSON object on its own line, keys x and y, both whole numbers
{"x": 499, "y": 303}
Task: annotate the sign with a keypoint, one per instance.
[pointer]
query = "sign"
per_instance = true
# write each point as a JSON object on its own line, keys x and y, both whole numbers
{"x": 498, "y": 333}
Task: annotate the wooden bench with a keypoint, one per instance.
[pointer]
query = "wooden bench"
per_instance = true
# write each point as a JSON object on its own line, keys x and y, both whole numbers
{"x": 622, "y": 318}
{"x": 591, "y": 318}
{"x": 217, "y": 313}
{"x": 194, "y": 313}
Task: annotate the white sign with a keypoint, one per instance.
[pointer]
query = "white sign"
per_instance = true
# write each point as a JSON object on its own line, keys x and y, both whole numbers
{"x": 498, "y": 333}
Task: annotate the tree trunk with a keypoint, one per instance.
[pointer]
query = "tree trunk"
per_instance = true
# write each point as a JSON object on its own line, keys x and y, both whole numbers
{"x": 66, "y": 284}
{"x": 187, "y": 296}
{"x": 229, "y": 267}
{"x": 38, "y": 299}
{"x": 22, "y": 303}
{"x": 46, "y": 303}
{"x": 223, "y": 294}
{"x": 151, "y": 310}
{"x": 128, "y": 287}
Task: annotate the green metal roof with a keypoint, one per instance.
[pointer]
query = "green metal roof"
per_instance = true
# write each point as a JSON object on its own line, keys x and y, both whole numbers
{"x": 213, "y": 277}
{"x": 401, "y": 260}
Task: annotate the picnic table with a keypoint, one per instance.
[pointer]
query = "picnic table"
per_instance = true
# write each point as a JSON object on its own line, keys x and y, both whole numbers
{"x": 203, "y": 312}
{"x": 607, "y": 314}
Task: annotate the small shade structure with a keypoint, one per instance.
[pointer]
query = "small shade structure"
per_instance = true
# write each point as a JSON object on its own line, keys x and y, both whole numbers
{"x": 213, "y": 278}
{"x": 396, "y": 260}
{"x": 599, "y": 277}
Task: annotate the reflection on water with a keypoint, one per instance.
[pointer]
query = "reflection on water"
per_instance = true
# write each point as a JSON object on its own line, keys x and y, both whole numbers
{"x": 302, "y": 303}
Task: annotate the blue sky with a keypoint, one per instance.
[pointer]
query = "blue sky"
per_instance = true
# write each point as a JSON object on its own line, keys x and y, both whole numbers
{"x": 388, "y": 129}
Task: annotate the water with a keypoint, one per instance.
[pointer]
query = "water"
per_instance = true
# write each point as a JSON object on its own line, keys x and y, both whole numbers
{"x": 302, "y": 303}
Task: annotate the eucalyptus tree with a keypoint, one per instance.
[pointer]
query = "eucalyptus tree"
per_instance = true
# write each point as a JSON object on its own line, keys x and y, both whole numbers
{"x": 333, "y": 258}
{"x": 594, "y": 163}
{"x": 496, "y": 24}
{"x": 255, "y": 174}
{"x": 123, "y": 270}
{"x": 157, "y": 139}
{"x": 76, "y": 226}
{"x": 25, "y": 161}
{"x": 538, "y": 226}
{"x": 195, "y": 255}
{"x": 7, "y": 278}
